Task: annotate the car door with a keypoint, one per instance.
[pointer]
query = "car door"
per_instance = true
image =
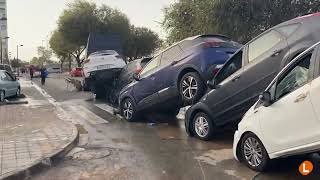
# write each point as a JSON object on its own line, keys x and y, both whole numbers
{"x": 223, "y": 101}
{"x": 11, "y": 84}
{"x": 167, "y": 72}
{"x": 290, "y": 122}
{"x": 315, "y": 86}
{"x": 262, "y": 63}
{"x": 145, "y": 91}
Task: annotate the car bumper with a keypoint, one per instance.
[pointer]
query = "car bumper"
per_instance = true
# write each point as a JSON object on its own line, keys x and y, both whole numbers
{"x": 236, "y": 140}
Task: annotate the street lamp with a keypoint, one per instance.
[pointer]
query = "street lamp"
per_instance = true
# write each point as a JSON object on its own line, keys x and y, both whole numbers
{"x": 18, "y": 51}
{"x": 1, "y": 54}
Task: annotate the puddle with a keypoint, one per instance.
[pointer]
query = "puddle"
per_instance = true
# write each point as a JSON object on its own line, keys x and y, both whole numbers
{"x": 214, "y": 157}
{"x": 90, "y": 154}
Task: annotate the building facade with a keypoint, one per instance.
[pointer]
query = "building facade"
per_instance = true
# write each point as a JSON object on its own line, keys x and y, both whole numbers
{"x": 4, "y": 30}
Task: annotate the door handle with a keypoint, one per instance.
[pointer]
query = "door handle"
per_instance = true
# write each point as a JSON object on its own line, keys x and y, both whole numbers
{"x": 152, "y": 77}
{"x": 174, "y": 63}
{"x": 276, "y": 53}
{"x": 301, "y": 97}
{"x": 236, "y": 78}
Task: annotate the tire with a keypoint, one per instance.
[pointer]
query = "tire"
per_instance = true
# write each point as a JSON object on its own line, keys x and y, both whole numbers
{"x": 203, "y": 127}
{"x": 2, "y": 96}
{"x": 247, "y": 143}
{"x": 128, "y": 110}
{"x": 18, "y": 94}
{"x": 191, "y": 88}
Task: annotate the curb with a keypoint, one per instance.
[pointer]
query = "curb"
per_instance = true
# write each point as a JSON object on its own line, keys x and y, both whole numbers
{"x": 45, "y": 162}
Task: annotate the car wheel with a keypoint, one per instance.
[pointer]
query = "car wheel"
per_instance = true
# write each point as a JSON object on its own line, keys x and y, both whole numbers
{"x": 253, "y": 153}
{"x": 191, "y": 88}
{"x": 203, "y": 127}
{"x": 2, "y": 96}
{"x": 18, "y": 93}
{"x": 128, "y": 110}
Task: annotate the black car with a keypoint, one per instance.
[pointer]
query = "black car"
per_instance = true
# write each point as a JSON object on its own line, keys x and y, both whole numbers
{"x": 238, "y": 84}
{"x": 176, "y": 76}
{"x": 126, "y": 77}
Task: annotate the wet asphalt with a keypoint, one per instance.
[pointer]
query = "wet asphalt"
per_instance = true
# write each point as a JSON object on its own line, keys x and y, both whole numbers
{"x": 156, "y": 147}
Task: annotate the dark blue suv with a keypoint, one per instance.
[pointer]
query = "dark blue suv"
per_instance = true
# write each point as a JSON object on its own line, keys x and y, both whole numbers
{"x": 177, "y": 76}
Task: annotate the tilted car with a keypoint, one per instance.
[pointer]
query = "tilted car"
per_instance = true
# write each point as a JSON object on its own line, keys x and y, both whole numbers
{"x": 286, "y": 119}
{"x": 176, "y": 77}
{"x": 237, "y": 86}
{"x": 126, "y": 77}
{"x": 9, "y": 86}
{"x": 100, "y": 69}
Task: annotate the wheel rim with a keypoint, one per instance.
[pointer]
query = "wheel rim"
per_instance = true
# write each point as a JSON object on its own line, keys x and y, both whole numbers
{"x": 252, "y": 151}
{"x": 127, "y": 110}
{"x": 202, "y": 126}
{"x": 189, "y": 87}
{"x": 1, "y": 96}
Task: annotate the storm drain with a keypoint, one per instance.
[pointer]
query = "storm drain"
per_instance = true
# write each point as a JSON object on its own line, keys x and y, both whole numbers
{"x": 88, "y": 154}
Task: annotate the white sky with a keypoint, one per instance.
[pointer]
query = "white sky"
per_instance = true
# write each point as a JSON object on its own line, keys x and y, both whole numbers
{"x": 31, "y": 21}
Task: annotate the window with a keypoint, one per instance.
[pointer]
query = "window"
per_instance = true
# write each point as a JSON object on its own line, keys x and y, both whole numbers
{"x": 150, "y": 67}
{"x": 288, "y": 30}
{"x": 263, "y": 44}
{"x": 171, "y": 54}
{"x": 2, "y": 76}
{"x": 232, "y": 66}
{"x": 295, "y": 78}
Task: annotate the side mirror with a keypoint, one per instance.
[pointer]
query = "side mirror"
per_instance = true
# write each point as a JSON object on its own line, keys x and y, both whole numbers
{"x": 136, "y": 77}
{"x": 265, "y": 97}
{"x": 212, "y": 84}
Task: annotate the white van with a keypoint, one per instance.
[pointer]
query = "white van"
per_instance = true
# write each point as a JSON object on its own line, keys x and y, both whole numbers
{"x": 286, "y": 119}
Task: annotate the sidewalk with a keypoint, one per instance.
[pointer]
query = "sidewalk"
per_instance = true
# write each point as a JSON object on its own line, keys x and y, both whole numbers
{"x": 31, "y": 133}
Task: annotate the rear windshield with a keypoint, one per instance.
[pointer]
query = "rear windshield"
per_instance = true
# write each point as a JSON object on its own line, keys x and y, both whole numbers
{"x": 220, "y": 42}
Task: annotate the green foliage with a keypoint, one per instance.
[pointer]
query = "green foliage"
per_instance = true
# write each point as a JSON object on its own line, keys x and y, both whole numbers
{"x": 142, "y": 42}
{"x": 82, "y": 17}
{"x": 239, "y": 19}
{"x": 44, "y": 56}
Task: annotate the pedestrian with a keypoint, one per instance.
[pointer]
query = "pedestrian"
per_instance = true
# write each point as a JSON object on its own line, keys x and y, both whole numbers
{"x": 44, "y": 74}
{"x": 31, "y": 72}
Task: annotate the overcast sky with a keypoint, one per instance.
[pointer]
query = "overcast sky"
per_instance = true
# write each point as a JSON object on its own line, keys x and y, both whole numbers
{"x": 31, "y": 21}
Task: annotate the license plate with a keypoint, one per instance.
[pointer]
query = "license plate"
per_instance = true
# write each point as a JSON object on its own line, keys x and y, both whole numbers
{"x": 104, "y": 66}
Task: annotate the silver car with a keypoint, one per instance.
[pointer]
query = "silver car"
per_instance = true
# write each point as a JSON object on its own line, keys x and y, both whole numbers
{"x": 9, "y": 86}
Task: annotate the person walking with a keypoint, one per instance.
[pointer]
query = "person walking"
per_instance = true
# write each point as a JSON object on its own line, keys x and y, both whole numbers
{"x": 44, "y": 74}
{"x": 31, "y": 72}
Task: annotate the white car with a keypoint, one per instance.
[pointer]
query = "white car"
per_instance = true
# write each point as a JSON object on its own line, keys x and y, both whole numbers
{"x": 286, "y": 119}
{"x": 102, "y": 60}
{"x": 9, "y": 86}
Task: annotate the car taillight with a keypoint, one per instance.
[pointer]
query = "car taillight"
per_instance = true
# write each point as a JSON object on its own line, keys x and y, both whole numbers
{"x": 212, "y": 44}
{"x": 86, "y": 61}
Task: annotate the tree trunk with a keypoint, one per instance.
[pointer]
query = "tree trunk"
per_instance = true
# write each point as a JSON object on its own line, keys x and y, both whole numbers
{"x": 79, "y": 63}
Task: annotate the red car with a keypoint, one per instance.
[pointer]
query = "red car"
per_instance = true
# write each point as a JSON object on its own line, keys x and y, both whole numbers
{"x": 76, "y": 72}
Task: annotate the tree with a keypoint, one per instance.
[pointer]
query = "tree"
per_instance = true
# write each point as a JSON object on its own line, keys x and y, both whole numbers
{"x": 44, "y": 55}
{"x": 238, "y": 19}
{"x": 16, "y": 63}
{"x": 81, "y": 18}
{"x": 35, "y": 61}
{"x": 142, "y": 42}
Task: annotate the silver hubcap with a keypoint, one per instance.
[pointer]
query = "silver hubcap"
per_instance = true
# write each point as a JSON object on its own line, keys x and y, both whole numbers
{"x": 201, "y": 126}
{"x": 1, "y": 96}
{"x": 252, "y": 152}
{"x": 189, "y": 87}
{"x": 127, "y": 110}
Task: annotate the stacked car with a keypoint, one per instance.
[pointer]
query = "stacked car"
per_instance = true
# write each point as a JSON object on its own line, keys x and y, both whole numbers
{"x": 225, "y": 82}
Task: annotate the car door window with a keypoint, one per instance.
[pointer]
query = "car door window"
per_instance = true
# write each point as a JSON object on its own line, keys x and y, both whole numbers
{"x": 2, "y": 76}
{"x": 8, "y": 77}
{"x": 264, "y": 43}
{"x": 152, "y": 65}
{"x": 295, "y": 78}
{"x": 232, "y": 66}
{"x": 171, "y": 55}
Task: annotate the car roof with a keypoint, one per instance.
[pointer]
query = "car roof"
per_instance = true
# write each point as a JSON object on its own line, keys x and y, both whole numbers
{"x": 299, "y": 19}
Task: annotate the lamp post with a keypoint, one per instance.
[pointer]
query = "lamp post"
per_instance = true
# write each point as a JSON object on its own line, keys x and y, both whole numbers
{"x": 18, "y": 50}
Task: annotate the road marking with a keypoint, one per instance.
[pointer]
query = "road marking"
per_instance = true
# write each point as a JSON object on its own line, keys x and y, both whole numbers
{"x": 105, "y": 107}
{"x": 86, "y": 114}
